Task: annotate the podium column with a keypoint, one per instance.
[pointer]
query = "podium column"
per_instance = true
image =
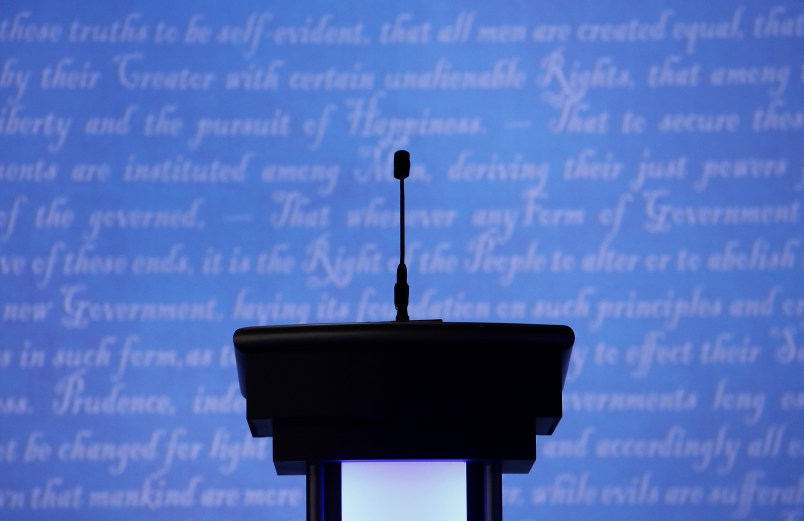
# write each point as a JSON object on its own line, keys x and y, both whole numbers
{"x": 484, "y": 491}
{"x": 324, "y": 491}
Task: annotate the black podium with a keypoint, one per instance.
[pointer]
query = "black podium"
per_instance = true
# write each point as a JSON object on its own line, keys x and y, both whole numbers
{"x": 426, "y": 391}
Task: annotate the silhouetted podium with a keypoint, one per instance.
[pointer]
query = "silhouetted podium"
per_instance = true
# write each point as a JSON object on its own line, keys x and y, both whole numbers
{"x": 412, "y": 391}
{"x": 471, "y": 395}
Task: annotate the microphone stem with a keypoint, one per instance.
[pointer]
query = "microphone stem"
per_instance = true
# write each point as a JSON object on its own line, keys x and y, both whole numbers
{"x": 402, "y": 221}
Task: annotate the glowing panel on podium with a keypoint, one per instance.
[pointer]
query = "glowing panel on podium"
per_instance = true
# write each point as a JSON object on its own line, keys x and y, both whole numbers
{"x": 403, "y": 491}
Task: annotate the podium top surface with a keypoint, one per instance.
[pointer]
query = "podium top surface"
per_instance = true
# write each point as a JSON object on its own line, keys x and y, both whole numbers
{"x": 331, "y": 369}
{"x": 257, "y": 339}
{"x": 403, "y": 389}
{"x": 427, "y": 338}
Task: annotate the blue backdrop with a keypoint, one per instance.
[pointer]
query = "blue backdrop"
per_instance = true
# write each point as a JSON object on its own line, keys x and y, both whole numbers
{"x": 170, "y": 172}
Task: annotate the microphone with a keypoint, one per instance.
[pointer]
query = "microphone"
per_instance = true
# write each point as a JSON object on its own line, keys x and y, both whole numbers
{"x": 401, "y": 288}
{"x": 401, "y": 166}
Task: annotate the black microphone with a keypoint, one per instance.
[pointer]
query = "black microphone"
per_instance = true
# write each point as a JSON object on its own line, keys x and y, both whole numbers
{"x": 401, "y": 288}
{"x": 401, "y": 166}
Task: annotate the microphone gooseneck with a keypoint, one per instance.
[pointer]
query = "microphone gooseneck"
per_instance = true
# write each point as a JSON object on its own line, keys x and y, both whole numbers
{"x": 401, "y": 288}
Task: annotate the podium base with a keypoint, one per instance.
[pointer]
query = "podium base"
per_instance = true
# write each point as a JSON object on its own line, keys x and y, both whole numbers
{"x": 404, "y": 490}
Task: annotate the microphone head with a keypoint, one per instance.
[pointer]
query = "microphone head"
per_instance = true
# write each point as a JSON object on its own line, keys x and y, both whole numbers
{"x": 401, "y": 164}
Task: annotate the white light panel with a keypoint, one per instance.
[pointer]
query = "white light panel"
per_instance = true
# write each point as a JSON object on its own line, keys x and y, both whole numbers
{"x": 403, "y": 491}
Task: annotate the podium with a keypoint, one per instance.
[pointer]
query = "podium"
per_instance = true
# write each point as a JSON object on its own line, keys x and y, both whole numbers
{"x": 475, "y": 394}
